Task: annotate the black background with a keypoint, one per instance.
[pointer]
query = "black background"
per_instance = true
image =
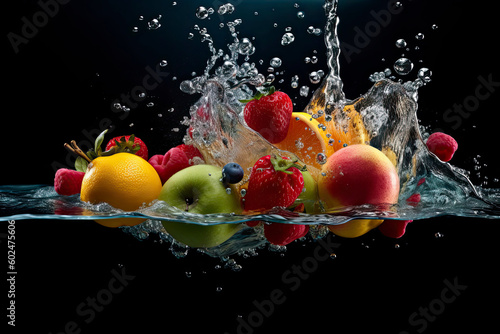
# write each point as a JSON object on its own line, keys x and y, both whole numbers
{"x": 64, "y": 80}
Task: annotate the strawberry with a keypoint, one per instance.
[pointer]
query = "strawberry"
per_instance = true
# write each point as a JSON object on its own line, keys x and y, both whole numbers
{"x": 176, "y": 159}
{"x": 269, "y": 113}
{"x": 68, "y": 182}
{"x": 282, "y": 234}
{"x": 273, "y": 182}
{"x": 442, "y": 145}
{"x": 131, "y": 142}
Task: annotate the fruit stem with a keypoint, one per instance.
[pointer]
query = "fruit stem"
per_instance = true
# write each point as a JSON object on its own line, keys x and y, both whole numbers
{"x": 75, "y": 149}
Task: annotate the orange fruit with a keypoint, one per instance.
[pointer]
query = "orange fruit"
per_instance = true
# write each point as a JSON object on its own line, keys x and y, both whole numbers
{"x": 306, "y": 138}
{"x": 123, "y": 180}
{"x": 354, "y": 132}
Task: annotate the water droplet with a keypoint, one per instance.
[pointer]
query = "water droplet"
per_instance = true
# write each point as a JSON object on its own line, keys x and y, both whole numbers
{"x": 188, "y": 274}
{"x": 438, "y": 235}
{"x": 299, "y": 144}
{"x": 135, "y": 29}
{"x": 225, "y": 9}
{"x": 201, "y": 13}
{"x": 246, "y": 47}
{"x": 425, "y": 74}
{"x": 419, "y": 36}
{"x": 275, "y": 62}
{"x": 287, "y": 39}
{"x": 321, "y": 158}
{"x": 187, "y": 86}
{"x": 314, "y": 59}
{"x": 314, "y": 77}
{"x": 163, "y": 63}
{"x": 218, "y": 289}
{"x": 150, "y": 104}
{"x": 434, "y": 26}
{"x": 154, "y": 24}
{"x": 304, "y": 91}
{"x": 243, "y": 192}
{"x": 333, "y": 256}
{"x": 301, "y": 15}
{"x": 403, "y": 66}
{"x": 141, "y": 18}
{"x": 401, "y": 43}
{"x": 228, "y": 69}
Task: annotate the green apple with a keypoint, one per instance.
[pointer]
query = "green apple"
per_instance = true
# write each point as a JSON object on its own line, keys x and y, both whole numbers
{"x": 198, "y": 189}
{"x": 309, "y": 195}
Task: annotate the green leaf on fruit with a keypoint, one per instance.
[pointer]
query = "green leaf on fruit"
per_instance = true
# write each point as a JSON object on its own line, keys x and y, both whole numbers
{"x": 81, "y": 164}
{"x": 98, "y": 141}
{"x": 92, "y": 154}
{"x": 261, "y": 92}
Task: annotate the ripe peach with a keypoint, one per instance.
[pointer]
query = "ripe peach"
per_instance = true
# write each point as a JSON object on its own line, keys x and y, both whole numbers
{"x": 355, "y": 175}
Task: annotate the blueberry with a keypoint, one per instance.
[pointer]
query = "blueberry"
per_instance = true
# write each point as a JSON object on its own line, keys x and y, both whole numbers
{"x": 232, "y": 173}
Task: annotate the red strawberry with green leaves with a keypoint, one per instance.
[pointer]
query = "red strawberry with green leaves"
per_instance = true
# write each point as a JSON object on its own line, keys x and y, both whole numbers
{"x": 273, "y": 182}
{"x": 131, "y": 142}
{"x": 269, "y": 113}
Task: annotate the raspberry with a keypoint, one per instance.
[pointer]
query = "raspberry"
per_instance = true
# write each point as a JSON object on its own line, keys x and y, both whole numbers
{"x": 68, "y": 182}
{"x": 176, "y": 159}
{"x": 442, "y": 145}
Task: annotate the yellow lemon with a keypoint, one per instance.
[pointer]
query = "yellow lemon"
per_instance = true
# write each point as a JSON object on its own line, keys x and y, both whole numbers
{"x": 123, "y": 180}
